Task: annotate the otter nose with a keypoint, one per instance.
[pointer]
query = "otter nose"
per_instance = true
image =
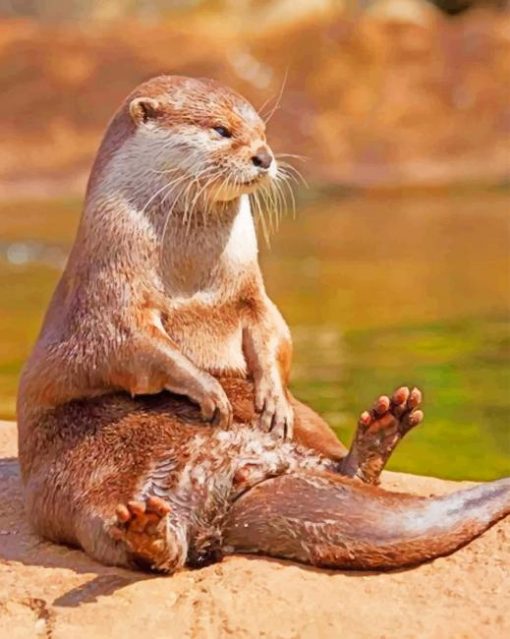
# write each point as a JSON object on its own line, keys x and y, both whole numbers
{"x": 262, "y": 158}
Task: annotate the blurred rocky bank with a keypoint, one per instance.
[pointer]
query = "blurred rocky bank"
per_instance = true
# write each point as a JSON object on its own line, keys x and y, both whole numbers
{"x": 398, "y": 94}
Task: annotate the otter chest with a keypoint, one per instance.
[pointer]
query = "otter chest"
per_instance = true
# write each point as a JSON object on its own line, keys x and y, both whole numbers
{"x": 206, "y": 279}
{"x": 209, "y": 332}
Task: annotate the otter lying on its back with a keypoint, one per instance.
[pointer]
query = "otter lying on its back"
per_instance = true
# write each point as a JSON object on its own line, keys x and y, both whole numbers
{"x": 161, "y": 322}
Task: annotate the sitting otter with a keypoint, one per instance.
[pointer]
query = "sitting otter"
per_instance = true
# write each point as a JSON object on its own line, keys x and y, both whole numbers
{"x": 156, "y": 428}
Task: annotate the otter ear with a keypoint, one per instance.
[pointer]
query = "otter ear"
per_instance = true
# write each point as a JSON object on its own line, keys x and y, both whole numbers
{"x": 143, "y": 110}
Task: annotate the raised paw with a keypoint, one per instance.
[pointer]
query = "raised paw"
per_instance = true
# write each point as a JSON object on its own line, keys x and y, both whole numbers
{"x": 392, "y": 417}
{"x": 144, "y": 527}
{"x": 379, "y": 431}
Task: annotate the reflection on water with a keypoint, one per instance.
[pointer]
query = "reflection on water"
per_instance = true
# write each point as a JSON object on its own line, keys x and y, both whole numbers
{"x": 31, "y": 252}
{"x": 378, "y": 292}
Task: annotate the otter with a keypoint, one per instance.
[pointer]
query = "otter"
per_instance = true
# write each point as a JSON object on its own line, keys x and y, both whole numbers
{"x": 156, "y": 427}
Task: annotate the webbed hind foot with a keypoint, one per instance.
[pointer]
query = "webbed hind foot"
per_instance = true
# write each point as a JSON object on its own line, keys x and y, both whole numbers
{"x": 145, "y": 528}
{"x": 379, "y": 431}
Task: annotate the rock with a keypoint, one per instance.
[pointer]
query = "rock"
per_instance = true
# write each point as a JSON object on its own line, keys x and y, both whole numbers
{"x": 399, "y": 95}
{"x": 56, "y": 592}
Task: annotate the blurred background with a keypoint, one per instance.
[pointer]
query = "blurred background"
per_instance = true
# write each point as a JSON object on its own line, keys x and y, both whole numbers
{"x": 396, "y": 266}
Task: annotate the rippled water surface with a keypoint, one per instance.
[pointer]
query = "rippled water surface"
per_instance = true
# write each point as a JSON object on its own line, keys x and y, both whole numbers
{"x": 378, "y": 292}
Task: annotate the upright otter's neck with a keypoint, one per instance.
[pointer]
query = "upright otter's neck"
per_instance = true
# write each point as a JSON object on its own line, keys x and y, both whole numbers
{"x": 200, "y": 256}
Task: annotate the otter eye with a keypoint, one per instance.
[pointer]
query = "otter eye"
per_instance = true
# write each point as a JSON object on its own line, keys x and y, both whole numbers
{"x": 223, "y": 131}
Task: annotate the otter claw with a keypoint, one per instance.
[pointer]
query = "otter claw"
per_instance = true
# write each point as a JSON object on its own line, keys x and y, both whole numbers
{"x": 218, "y": 418}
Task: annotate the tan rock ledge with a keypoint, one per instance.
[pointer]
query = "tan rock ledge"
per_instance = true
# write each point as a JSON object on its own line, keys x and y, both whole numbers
{"x": 57, "y": 593}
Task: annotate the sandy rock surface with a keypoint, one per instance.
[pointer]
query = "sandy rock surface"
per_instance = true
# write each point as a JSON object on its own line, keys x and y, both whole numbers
{"x": 57, "y": 593}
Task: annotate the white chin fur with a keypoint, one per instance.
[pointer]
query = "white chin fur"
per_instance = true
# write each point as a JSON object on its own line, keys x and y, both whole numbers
{"x": 226, "y": 194}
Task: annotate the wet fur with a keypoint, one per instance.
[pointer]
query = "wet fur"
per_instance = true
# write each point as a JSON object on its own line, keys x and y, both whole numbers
{"x": 229, "y": 491}
{"x": 105, "y": 451}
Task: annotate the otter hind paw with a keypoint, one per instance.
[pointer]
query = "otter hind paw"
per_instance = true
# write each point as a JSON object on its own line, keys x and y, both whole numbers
{"x": 392, "y": 418}
{"x": 143, "y": 526}
{"x": 379, "y": 431}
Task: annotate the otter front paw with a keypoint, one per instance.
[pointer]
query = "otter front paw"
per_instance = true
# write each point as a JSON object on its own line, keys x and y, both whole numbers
{"x": 213, "y": 401}
{"x": 276, "y": 414}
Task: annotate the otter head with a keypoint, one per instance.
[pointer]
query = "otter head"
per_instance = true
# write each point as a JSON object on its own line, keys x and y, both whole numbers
{"x": 199, "y": 137}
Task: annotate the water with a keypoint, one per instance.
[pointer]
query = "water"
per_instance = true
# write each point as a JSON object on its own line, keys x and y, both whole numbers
{"x": 378, "y": 291}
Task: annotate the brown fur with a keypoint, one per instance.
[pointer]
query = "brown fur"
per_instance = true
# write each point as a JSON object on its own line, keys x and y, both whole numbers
{"x": 322, "y": 520}
{"x": 160, "y": 337}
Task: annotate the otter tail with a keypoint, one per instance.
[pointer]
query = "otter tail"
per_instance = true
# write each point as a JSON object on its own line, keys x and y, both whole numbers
{"x": 329, "y": 521}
